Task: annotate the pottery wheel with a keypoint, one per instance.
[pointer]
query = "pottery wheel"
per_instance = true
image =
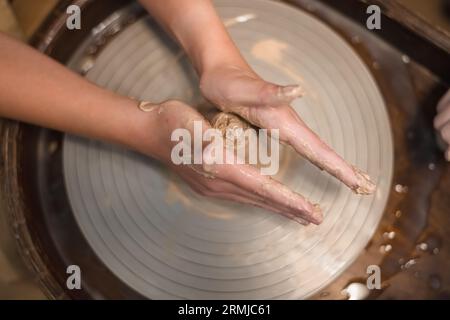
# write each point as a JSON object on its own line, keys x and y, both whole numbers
{"x": 162, "y": 239}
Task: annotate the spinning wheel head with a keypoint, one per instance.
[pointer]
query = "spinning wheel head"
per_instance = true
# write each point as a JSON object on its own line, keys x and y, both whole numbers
{"x": 163, "y": 240}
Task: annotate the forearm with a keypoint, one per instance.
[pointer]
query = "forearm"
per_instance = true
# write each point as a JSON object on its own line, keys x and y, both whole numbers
{"x": 38, "y": 90}
{"x": 199, "y": 30}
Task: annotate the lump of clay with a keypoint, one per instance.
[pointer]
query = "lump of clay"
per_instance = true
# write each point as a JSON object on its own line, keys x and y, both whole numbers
{"x": 224, "y": 120}
{"x": 229, "y": 125}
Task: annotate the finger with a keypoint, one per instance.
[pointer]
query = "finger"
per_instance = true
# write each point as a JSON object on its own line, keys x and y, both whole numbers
{"x": 445, "y": 132}
{"x": 272, "y": 94}
{"x": 308, "y": 144}
{"x": 264, "y": 204}
{"x": 256, "y": 202}
{"x": 447, "y": 154}
{"x": 445, "y": 100}
{"x": 272, "y": 191}
{"x": 216, "y": 187}
{"x": 255, "y": 91}
{"x": 222, "y": 189}
{"x": 442, "y": 118}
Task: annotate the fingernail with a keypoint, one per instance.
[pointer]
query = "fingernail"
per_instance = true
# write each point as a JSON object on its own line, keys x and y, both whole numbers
{"x": 317, "y": 214}
{"x": 364, "y": 185}
{"x": 313, "y": 215}
{"x": 292, "y": 91}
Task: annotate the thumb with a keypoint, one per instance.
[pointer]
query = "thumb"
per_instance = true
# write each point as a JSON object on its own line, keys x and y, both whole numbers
{"x": 272, "y": 94}
{"x": 259, "y": 92}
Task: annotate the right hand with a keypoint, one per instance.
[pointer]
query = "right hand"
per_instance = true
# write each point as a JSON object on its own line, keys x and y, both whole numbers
{"x": 241, "y": 91}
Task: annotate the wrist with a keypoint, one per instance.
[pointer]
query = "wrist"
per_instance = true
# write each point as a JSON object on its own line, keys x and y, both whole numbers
{"x": 208, "y": 47}
{"x": 140, "y": 133}
{"x": 215, "y": 62}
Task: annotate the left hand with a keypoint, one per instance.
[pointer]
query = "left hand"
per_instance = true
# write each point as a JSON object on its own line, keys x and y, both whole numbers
{"x": 235, "y": 182}
{"x": 241, "y": 91}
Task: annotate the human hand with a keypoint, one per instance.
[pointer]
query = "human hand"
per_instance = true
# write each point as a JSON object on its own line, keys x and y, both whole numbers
{"x": 241, "y": 91}
{"x": 237, "y": 182}
{"x": 442, "y": 122}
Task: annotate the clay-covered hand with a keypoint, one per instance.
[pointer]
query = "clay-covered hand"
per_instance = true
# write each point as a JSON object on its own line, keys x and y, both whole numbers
{"x": 227, "y": 81}
{"x": 442, "y": 122}
{"x": 241, "y": 91}
{"x": 237, "y": 182}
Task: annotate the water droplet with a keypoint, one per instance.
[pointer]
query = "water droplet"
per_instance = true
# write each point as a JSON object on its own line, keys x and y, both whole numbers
{"x": 398, "y": 214}
{"x": 86, "y": 64}
{"x": 409, "y": 263}
{"x": 356, "y": 291}
{"x": 375, "y": 65}
{"x": 401, "y": 261}
{"x": 324, "y": 294}
{"x": 401, "y": 189}
{"x": 434, "y": 281}
{"x": 52, "y": 147}
{"x": 389, "y": 235}
{"x": 422, "y": 246}
{"x": 385, "y": 248}
{"x": 431, "y": 166}
{"x": 433, "y": 243}
{"x": 406, "y": 59}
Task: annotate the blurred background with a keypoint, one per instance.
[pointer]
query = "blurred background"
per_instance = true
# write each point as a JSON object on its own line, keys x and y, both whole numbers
{"x": 21, "y": 18}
